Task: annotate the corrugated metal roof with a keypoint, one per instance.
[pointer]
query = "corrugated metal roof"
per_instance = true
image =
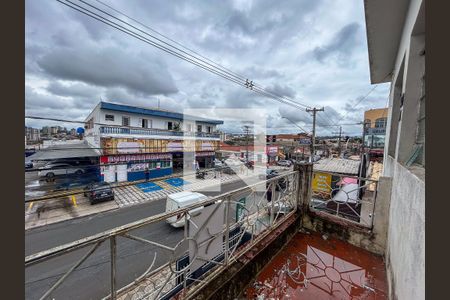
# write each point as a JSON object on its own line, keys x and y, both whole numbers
{"x": 154, "y": 112}
{"x": 81, "y": 149}
{"x": 338, "y": 165}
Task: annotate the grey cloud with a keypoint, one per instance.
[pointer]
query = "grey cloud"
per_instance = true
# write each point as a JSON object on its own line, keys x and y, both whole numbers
{"x": 110, "y": 67}
{"x": 76, "y": 89}
{"x": 342, "y": 43}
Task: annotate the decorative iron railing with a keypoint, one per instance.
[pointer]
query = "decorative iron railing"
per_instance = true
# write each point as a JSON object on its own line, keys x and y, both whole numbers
{"x": 154, "y": 131}
{"x": 345, "y": 197}
{"x": 215, "y": 233}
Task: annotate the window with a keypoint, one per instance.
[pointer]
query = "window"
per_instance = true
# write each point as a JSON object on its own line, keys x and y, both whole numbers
{"x": 380, "y": 123}
{"x": 199, "y": 128}
{"x": 208, "y": 129}
{"x": 144, "y": 123}
{"x": 169, "y": 125}
{"x": 89, "y": 124}
{"x": 125, "y": 121}
{"x": 109, "y": 118}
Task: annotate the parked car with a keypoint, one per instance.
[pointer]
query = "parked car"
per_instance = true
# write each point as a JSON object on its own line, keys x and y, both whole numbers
{"x": 218, "y": 163}
{"x": 99, "y": 192}
{"x": 28, "y": 165}
{"x": 284, "y": 163}
{"x": 271, "y": 173}
{"x": 57, "y": 169}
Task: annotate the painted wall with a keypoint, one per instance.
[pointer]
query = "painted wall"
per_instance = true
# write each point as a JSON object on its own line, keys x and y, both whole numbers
{"x": 406, "y": 235}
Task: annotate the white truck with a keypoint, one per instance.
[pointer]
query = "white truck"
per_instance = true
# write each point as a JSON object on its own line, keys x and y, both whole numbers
{"x": 182, "y": 199}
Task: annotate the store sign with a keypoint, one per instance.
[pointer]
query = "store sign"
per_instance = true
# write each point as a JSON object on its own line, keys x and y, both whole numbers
{"x": 135, "y": 157}
{"x": 321, "y": 182}
{"x": 204, "y": 153}
{"x": 305, "y": 141}
{"x": 128, "y": 147}
{"x": 207, "y": 146}
{"x": 175, "y": 147}
{"x": 272, "y": 150}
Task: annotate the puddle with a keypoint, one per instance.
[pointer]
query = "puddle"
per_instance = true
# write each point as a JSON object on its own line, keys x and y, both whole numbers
{"x": 310, "y": 267}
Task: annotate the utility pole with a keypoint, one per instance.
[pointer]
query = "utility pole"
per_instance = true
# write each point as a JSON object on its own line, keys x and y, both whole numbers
{"x": 339, "y": 140}
{"x": 313, "y": 140}
{"x": 246, "y": 129}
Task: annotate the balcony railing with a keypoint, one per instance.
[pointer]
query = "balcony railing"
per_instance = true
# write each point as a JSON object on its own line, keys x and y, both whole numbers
{"x": 154, "y": 131}
{"x": 226, "y": 227}
{"x": 344, "y": 197}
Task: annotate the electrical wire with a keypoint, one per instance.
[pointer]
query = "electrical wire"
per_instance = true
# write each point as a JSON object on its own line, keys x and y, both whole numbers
{"x": 192, "y": 59}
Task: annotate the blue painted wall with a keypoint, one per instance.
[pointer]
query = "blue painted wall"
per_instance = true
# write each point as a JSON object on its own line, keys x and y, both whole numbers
{"x": 133, "y": 176}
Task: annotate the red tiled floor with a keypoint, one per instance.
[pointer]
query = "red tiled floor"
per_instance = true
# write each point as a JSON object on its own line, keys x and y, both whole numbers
{"x": 332, "y": 268}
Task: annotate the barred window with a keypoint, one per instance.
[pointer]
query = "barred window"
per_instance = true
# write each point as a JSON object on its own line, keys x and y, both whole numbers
{"x": 420, "y": 134}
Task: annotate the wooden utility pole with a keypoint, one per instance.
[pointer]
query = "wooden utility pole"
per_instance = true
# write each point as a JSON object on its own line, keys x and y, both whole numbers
{"x": 313, "y": 140}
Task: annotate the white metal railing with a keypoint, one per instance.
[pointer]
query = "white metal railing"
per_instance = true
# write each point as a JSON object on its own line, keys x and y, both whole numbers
{"x": 154, "y": 131}
{"x": 349, "y": 198}
{"x": 226, "y": 220}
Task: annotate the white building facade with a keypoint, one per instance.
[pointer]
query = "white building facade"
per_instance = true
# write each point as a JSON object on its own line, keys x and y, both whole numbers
{"x": 396, "y": 43}
{"x": 131, "y": 140}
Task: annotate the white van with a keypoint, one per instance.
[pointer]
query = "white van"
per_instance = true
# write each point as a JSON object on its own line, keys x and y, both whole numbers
{"x": 180, "y": 200}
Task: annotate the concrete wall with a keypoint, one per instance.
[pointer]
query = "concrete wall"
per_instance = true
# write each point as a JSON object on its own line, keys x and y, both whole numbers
{"x": 406, "y": 235}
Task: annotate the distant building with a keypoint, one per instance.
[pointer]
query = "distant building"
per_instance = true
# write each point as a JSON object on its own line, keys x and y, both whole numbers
{"x": 32, "y": 134}
{"x": 134, "y": 139}
{"x": 376, "y": 121}
{"x": 73, "y": 132}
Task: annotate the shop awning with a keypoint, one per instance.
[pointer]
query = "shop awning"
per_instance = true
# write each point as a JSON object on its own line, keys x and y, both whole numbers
{"x": 64, "y": 151}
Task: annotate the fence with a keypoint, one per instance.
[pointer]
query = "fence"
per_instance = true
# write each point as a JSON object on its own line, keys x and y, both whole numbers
{"x": 344, "y": 197}
{"x": 215, "y": 233}
{"x": 153, "y": 131}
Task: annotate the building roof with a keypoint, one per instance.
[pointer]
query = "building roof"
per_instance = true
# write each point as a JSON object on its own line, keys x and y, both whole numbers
{"x": 154, "y": 112}
{"x": 71, "y": 150}
{"x": 338, "y": 165}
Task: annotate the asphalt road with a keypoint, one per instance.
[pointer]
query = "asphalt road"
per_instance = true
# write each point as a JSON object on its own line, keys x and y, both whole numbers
{"x": 91, "y": 280}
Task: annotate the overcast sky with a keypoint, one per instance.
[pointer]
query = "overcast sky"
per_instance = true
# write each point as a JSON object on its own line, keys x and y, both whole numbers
{"x": 314, "y": 51}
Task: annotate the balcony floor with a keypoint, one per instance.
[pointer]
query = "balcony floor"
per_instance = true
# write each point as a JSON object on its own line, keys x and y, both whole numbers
{"x": 332, "y": 268}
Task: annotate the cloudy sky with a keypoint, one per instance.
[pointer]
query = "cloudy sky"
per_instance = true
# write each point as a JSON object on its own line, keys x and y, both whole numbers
{"x": 312, "y": 51}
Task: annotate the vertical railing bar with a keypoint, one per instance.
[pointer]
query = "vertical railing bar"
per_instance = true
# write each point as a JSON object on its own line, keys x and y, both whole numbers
{"x": 112, "y": 244}
{"x": 227, "y": 230}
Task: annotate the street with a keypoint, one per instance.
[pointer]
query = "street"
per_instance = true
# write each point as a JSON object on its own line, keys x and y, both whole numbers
{"x": 91, "y": 279}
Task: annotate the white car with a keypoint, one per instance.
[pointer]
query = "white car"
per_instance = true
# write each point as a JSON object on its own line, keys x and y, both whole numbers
{"x": 57, "y": 169}
{"x": 182, "y": 199}
{"x": 217, "y": 163}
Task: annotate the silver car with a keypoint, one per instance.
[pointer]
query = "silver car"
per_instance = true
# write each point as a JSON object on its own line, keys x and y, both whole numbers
{"x": 57, "y": 169}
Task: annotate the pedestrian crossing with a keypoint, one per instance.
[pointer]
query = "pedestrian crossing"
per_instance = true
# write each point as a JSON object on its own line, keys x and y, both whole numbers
{"x": 132, "y": 195}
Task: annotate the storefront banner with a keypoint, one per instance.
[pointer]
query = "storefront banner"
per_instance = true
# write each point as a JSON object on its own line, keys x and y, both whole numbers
{"x": 128, "y": 158}
{"x": 204, "y": 154}
{"x": 128, "y": 147}
{"x": 207, "y": 146}
{"x": 175, "y": 147}
{"x": 272, "y": 150}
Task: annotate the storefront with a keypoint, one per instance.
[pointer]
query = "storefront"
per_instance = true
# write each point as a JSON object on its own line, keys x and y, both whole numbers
{"x": 205, "y": 159}
{"x": 131, "y": 167}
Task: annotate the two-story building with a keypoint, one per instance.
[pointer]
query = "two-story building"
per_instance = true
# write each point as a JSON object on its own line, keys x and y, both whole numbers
{"x": 131, "y": 139}
{"x": 375, "y": 125}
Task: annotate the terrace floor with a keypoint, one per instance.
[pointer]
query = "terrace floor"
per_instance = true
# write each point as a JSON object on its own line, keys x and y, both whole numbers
{"x": 314, "y": 267}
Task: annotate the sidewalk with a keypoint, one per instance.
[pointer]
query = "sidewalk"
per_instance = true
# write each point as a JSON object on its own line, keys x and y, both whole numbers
{"x": 61, "y": 209}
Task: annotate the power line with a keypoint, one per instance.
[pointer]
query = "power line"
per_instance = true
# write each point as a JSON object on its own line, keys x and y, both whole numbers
{"x": 189, "y": 58}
